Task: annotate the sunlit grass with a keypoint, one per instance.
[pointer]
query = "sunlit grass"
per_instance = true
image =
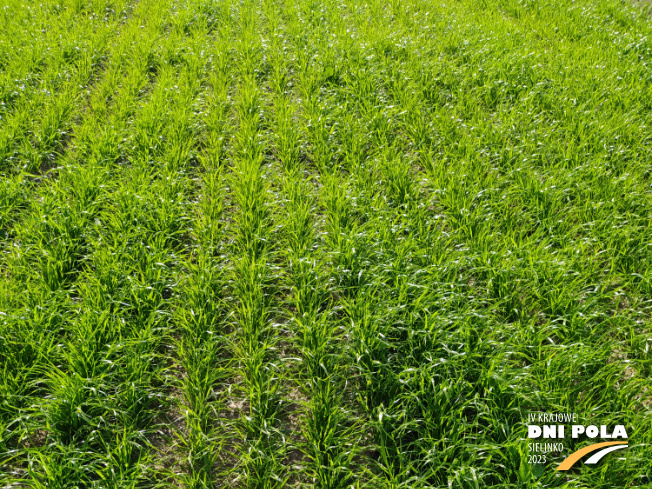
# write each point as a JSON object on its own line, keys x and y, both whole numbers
{"x": 321, "y": 244}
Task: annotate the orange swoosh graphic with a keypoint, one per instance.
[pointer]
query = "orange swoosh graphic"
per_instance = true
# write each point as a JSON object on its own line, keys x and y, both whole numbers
{"x": 575, "y": 456}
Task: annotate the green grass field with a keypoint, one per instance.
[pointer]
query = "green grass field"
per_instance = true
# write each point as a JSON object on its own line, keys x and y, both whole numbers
{"x": 322, "y": 243}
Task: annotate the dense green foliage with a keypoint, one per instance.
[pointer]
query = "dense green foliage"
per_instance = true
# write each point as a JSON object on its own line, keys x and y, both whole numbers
{"x": 322, "y": 243}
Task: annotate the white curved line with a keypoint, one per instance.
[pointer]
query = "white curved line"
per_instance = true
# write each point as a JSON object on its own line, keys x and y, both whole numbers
{"x": 596, "y": 457}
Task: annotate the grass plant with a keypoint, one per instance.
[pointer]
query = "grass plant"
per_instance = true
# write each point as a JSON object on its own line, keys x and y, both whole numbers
{"x": 321, "y": 244}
